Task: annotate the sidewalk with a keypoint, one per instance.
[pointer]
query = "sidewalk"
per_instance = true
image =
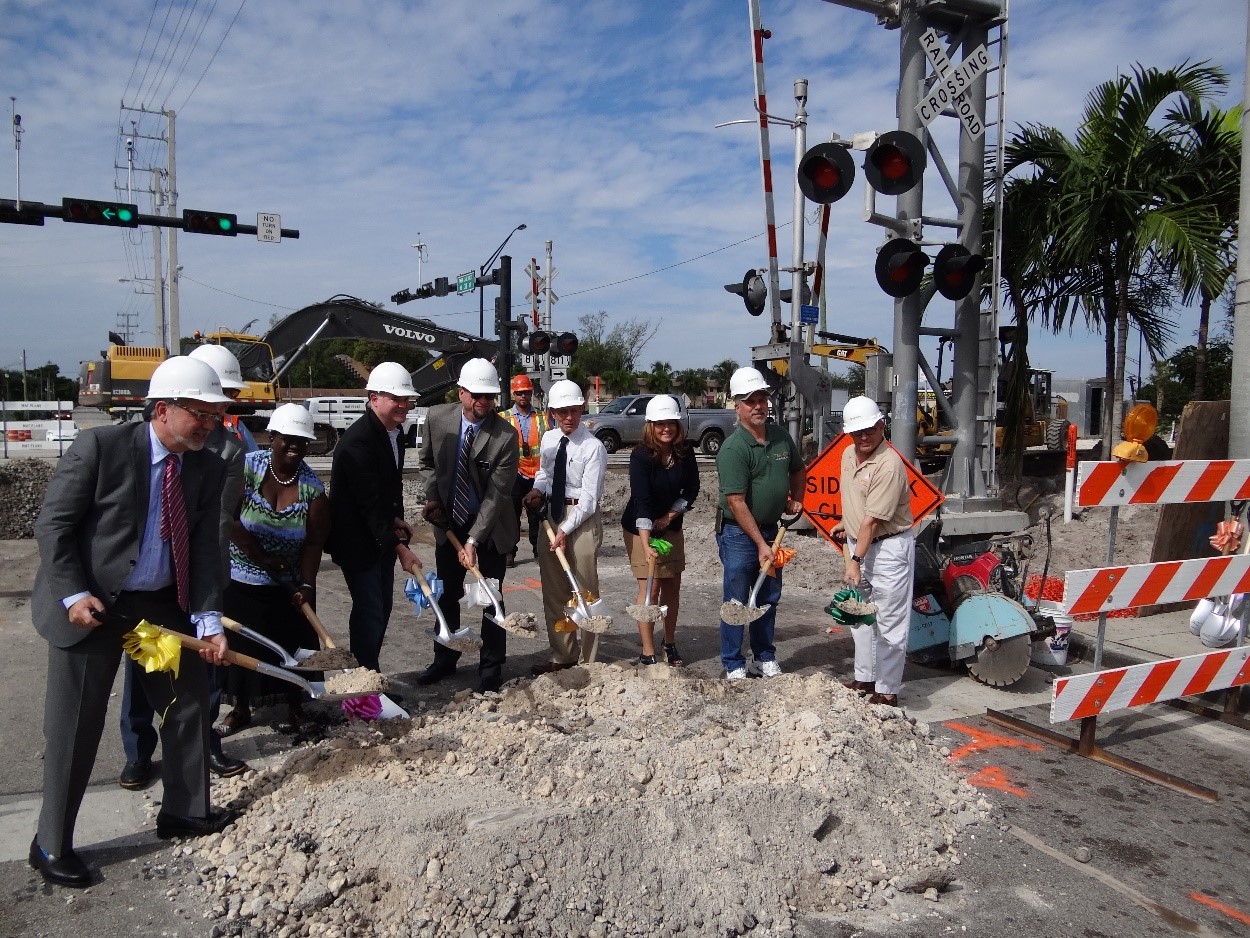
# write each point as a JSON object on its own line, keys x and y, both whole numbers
{"x": 1130, "y": 641}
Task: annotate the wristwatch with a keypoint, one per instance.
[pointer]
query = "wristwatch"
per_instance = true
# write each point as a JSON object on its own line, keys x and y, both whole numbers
{"x": 859, "y": 560}
{"x": 470, "y": 542}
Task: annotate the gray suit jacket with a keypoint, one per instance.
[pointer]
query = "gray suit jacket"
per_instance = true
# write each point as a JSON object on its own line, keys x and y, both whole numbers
{"x": 91, "y": 525}
{"x": 495, "y": 454}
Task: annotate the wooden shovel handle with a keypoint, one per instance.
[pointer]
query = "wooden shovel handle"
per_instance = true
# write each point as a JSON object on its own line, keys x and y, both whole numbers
{"x": 234, "y": 657}
{"x": 417, "y": 572}
{"x": 551, "y": 536}
{"x": 315, "y": 622}
{"x": 455, "y": 542}
{"x": 768, "y": 567}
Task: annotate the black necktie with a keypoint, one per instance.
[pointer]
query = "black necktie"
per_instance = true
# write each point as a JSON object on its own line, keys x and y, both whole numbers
{"x": 460, "y": 505}
{"x": 559, "y": 481}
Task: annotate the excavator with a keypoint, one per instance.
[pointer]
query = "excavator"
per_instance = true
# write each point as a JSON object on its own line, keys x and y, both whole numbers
{"x": 118, "y": 380}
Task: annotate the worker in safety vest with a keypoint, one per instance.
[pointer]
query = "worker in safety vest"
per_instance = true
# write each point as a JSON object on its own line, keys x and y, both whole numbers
{"x": 530, "y": 426}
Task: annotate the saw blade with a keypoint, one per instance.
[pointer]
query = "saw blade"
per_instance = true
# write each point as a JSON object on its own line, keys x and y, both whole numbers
{"x": 999, "y": 663}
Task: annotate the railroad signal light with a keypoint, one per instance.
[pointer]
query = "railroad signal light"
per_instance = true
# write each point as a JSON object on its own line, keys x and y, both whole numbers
{"x": 565, "y": 344}
{"x": 895, "y": 162}
{"x": 826, "y": 173}
{"x": 900, "y": 267}
{"x": 214, "y": 223}
{"x": 955, "y": 270}
{"x": 89, "y": 212}
{"x": 752, "y": 289}
{"x": 536, "y": 342}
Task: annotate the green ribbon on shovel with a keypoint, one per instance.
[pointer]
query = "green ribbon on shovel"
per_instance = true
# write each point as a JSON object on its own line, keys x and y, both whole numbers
{"x": 840, "y": 615}
{"x": 661, "y": 546}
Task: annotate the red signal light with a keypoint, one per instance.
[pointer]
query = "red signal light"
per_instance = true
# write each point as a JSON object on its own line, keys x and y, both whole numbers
{"x": 895, "y": 163}
{"x": 826, "y": 173}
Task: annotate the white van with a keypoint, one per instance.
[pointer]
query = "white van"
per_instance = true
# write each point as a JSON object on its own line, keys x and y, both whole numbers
{"x": 332, "y": 415}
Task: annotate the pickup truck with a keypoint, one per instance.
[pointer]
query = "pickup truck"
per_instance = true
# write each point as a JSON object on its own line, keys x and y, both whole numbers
{"x": 620, "y": 423}
{"x": 332, "y": 415}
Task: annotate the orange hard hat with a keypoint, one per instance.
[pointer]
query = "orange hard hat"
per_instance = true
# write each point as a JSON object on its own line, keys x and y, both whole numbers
{"x": 522, "y": 383}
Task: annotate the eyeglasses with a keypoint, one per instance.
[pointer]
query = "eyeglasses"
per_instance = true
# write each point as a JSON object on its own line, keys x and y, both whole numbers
{"x": 864, "y": 432}
{"x": 203, "y": 416}
{"x": 754, "y": 402}
{"x": 479, "y": 397}
{"x": 396, "y": 399}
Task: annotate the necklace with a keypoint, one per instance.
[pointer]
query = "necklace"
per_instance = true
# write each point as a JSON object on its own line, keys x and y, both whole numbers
{"x": 281, "y": 481}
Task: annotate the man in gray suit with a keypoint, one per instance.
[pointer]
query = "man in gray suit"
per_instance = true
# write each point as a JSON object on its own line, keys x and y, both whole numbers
{"x": 469, "y": 457}
{"x": 109, "y": 553}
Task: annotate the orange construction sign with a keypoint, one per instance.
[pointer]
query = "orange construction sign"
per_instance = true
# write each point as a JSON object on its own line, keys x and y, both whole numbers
{"x": 822, "y": 499}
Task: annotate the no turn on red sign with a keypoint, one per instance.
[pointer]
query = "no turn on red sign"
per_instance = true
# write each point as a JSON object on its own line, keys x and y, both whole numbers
{"x": 822, "y": 498}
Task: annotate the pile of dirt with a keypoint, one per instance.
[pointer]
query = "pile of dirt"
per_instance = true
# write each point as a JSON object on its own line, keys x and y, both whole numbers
{"x": 597, "y": 801}
{"x": 23, "y": 483}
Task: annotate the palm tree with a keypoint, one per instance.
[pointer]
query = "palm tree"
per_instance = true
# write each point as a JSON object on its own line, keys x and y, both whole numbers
{"x": 661, "y": 378}
{"x": 1116, "y": 200}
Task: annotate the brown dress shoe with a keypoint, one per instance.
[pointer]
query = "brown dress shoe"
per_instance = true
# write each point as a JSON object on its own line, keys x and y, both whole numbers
{"x": 548, "y": 667}
{"x": 863, "y": 688}
{"x": 890, "y": 700}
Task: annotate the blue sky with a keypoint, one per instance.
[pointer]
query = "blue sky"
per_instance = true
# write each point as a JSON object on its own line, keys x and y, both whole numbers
{"x": 366, "y": 126}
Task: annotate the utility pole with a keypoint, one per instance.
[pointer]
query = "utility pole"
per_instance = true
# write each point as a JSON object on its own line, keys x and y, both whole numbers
{"x": 795, "y": 416}
{"x": 163, "y": 339}
{"x": 175, "y": 325}
{"x": 1239, "y": 416}
{"x": 423, "y": 255}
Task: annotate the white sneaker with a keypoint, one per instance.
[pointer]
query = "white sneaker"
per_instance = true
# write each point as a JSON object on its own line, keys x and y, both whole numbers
{"x": 770, "y": 669}
{"x": 737, "y": 674}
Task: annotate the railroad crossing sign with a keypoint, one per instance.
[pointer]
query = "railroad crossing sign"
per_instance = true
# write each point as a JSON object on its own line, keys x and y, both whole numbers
{"x": 952, "y": 82}
{"x": 268, "y": 227}
{"x": 822, "y": 499}
{"x": 466, "y": 283}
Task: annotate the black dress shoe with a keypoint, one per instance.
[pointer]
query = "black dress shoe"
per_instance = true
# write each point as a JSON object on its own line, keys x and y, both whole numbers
{"x": 548, "y": 667}
{"x": 223, "y": 766}
{"x": 65, "y": 870}
{"x": 136, "y": 775}
{"x": 171, "y": 825}
{"x": 432, "y": 675}
{"x": 488, "y": 685}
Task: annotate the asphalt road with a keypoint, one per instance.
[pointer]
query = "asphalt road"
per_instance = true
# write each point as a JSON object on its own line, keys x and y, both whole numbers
{"x": 1159, "y": 863}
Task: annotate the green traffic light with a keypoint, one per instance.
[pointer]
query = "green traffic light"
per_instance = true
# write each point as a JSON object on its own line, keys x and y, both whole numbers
{"x": 225, "y": 224}
{"x": 124, "y": 214}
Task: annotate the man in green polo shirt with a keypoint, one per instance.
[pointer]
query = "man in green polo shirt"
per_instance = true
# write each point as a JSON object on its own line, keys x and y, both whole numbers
{"x": 761, "y": 477}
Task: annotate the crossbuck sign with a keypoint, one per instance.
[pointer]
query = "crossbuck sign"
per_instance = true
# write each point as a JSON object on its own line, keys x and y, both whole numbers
{"x": 953, "y": 81}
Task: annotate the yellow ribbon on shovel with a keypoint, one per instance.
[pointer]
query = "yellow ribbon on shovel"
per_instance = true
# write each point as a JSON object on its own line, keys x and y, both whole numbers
{"x": 155, "y": 650}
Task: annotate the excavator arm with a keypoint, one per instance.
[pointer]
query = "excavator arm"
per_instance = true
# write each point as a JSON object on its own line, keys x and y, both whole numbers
{"x": 349, "y": 317}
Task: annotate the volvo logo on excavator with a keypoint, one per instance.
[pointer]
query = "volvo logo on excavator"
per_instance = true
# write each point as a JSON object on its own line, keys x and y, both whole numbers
{"x": 409, "y": 333}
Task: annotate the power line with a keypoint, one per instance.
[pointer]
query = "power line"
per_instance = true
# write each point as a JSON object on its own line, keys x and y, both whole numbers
{"x": 213, "y": 57}
{"x": 237, "y": 296}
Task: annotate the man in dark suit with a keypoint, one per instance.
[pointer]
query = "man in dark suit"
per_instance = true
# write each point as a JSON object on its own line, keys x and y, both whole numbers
{"x": 114, "y": 549}
{"x": 367, "y": 527}
{"x": 469, "y": 456}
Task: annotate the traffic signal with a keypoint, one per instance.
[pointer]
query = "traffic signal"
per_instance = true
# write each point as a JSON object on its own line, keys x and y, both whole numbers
{"x": 214, "y": 223}
{"x": 752, "y": 289}
{"x": 900, "y": 267}
{"x": 536, "y": 342}
{"x": 423, "y": 292}
{"x": 31, "y": 213}
{"x": 895, "y": 162}
{"x": 441, "y": 287}
{"x": 565, "y": 344}
{"x": 955, "y": 270}
{"x": 87, "y": 212}
{"x": 826, "y": 173}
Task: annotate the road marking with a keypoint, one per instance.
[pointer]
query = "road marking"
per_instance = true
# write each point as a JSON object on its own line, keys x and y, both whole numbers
{"x": 1174, "y": 919}
{"x": 1221, "y": 907}
{"x": 993, "y": 777}
{"x": 984, "y": 740}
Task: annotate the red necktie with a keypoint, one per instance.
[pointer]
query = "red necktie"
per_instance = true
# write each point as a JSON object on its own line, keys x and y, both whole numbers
{"x": 174, "y": 529}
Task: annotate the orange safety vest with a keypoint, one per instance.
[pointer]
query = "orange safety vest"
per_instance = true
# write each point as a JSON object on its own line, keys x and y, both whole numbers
{"x": 527, "y": 465}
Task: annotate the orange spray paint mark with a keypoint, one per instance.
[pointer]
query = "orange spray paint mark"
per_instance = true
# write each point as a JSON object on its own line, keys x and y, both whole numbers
{"x": 984, "y": 740}
{"x": 1221, "y": 907}
{"x": 993, "y": 777}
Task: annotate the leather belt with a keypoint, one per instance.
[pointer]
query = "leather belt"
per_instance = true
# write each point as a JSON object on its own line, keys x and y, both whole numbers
{"x": 570, "y": 501}
{"x": 882, "y": 537}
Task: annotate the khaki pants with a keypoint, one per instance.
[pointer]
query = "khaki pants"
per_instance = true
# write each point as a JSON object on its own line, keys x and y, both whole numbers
{"x": 582, "y": 550}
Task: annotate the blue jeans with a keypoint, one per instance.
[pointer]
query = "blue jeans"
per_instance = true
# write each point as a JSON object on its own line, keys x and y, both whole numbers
{"x": 741, "y": 560}
{"x": 373, "y": 592}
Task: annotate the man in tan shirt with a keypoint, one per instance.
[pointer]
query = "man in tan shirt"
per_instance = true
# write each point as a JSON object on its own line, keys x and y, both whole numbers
{"x": 880, "y": 548}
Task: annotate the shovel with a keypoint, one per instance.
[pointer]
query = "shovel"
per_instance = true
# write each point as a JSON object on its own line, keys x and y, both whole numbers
{"x": 647, "y": 612}
{"x": 524, "y": 624}
{"x": 733, "y": 612}
{"x": 329, "y": 657}
{"x": 287, "y": 660}
{"x": 461, "y": 640}
{"x": 588, "y": 617}
{"x": 315, "y": 689}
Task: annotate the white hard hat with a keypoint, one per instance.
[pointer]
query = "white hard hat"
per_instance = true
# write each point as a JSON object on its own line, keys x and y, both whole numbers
{"x": 745, "y": 382}
{"x": 860, "y": 413}
{"x": 390, "y": 378}
{"x": 292, "y": 420}
{"x": 190, "y": 378}
{"x": 478, "y": 376}
{"x": 663, "y": 407}
{"x": 565, "y": 393}
{"x": 223, "y": 362}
